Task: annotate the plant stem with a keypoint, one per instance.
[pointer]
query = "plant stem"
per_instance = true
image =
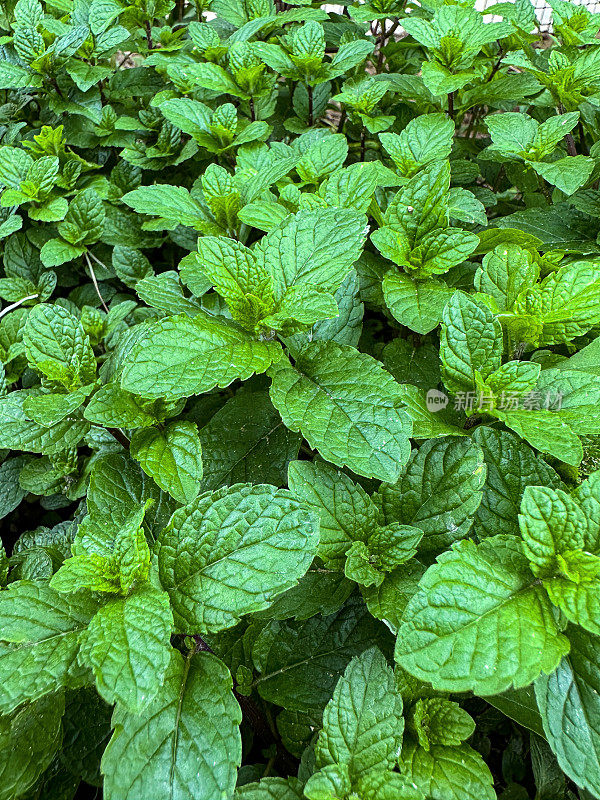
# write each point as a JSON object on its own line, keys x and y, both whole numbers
{"x": 149, "y": 35}
{"x": 94, "y": 279}
{"x": 496, "y": 66}
{"x": 451, "y": 105}
{"x": 309, "y": 90}
{"x": 363, "y": 135}
{"x": 18, "y": 303}
{"x": 582, "y": 143}
{"x": 252, "y": 109}
{"x": 571, "y": 146}
{"x": 120, "y": 437}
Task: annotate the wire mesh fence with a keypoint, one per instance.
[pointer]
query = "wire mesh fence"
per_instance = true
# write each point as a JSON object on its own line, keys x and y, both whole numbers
{"x": 542, "y": 9}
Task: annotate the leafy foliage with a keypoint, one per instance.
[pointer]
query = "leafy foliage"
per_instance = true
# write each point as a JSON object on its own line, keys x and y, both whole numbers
{"x": 299, "y": 400}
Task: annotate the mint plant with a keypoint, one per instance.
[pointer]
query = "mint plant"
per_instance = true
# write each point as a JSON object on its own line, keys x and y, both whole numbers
{"x": 299, "y": 401}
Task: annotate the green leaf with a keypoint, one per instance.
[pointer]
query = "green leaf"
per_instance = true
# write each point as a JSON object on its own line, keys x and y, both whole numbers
{"x": 322, "y": 158}
{"x": 427, "y": 423}
{"x": 346, "y": 406}
{"x": 173, "y": 203}
{"x": 84, "y": 221}
{"x": 420, "y": 206}
{"x": 21, "y": 433}
{"x": 434, "y": 253}
{"x": 586, "y": 360}
{"x": 346, "y": 512}
{"x": 165, "y": 293}
{"x": 172, "y": 457}
{"x": 520, "y": 705}
{"x": 246, "y": 285}
{"x": 387, "y": 785}
{"x": 131, "y": 553}
{"x": 232, "y": 552}
{"x": 41, "y": 630}
{"x": 352, "y": 187}
{"x": 551, "y": 524}
{"x": 118, "y": 489}
{"x": 568, "y": 302}
{"x": 470, "y": 342}
{"x": 447, "y": 773}
{"x": 575, "y": 591}
{"x": 567, "y": 174}
{"x": 260, "y": 450}
{"x": 569, "y": 702}
{"x": 329, "y": 783}
{"x": 12, "y": 494}
{"x": 187, "y": 739}
{"x": 29, "y": 740}
{"x": 388, "y": 600}
{"x": 439, "y": 492}
{"x": 505, "y": 273}
{"x": 512, "y": 466}
{"x": 300, "y": 662}
{"x": 181, "y": 356}
{"x": 417, "y": 304}
{"x": 91, "y": 571}
{"x": 587, "y": 495}
{"x": 315, "y": 248}
{"x": 546, "y": 432}
{"x": 425, "y": 139}
{"x": 57, "y": 345}
{"x": 127, "y": 646}
{"x": 318, "y": 591}
{"x": 56, "y": 252}
{"x": 270, "y": 789}
{"x": 437, "y": 721}
{"x": 50, "y": 409}
{"x": 13, "y": 76}
{"x": 113, "y": 407}
{"x": 480, "y": 621}
{"x": 189, "y": 115}
{"x": 362, "y": 723}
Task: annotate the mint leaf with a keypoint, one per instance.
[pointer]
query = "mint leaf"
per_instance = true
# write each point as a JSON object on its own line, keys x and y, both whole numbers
{"x": 41, "y": 631}
{"x": 512, "y": 466}
{"x": 346, "y": 512}
{"x": 417, "y": 304}
{"x": 182, "y": 356}
{"x": 439, "y": 492}
{"x": 551, "y": 524}
{"x": 362, "y": 723}
{"x": 127, "y": 647}
{"x": 299, "y": 251}
{"x": 437, "y": 721}
{"x": 567, "y": 697}
{"x": 349, "y": 429}
{"x": 497, "y": 631}
{"x": 30, "y": 738}
{"x": 260, "y": 450}
{"x": 300, "y": 662}
{"x": 172, "y": 457}
{"x": 470, "y": 342}
{"x": 232, "y": 552}
{"x": 270, "y": 789}
{"x": 194, "y": 712}
{"x": 57, "y": 345}
{"x": 447, "y": 773}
